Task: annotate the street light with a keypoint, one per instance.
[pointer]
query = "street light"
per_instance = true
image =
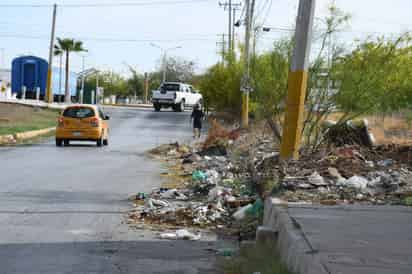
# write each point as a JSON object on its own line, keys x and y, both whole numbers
{"x": 164, "y": 53}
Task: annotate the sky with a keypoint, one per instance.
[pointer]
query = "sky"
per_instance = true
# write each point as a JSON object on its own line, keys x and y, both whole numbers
{"x": 121, "y": 34}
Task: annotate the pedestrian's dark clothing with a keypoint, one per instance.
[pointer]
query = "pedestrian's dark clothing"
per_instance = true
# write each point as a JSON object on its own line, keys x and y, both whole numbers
{"x": 197, "y": 116}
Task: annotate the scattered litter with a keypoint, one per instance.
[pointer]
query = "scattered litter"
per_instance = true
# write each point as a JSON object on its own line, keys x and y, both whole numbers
{"x": 241, "y": 213}
{"x": 356, "y": 182}
{"x": 222, "y": 182}
{"x": 181, "y": 234}
{"x": 199, "y": 176}
{"x": 173, "y": 194}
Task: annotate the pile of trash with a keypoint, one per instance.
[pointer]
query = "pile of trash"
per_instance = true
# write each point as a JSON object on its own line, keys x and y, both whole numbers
{"x": 222, "y": 182}
{"x": 211, "y": 193}
{"x": 346, "y": 175}
{"x": 349, "y": 133}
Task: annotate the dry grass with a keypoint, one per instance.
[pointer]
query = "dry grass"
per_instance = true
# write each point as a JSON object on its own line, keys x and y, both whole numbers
{"x": 17, "y": 118}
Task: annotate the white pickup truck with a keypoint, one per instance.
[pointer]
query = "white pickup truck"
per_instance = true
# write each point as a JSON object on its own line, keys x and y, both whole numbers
{"x": 175, "y": 95}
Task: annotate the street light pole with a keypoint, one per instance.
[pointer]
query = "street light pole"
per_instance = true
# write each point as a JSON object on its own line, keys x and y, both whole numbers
{"x": 97, "y": 87}
{"x": 82, "y": 89}
{"x": 164, "y": 53}
{"x": 164, "y": 67}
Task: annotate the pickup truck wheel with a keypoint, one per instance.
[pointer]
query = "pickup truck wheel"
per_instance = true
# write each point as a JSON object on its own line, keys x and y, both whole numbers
{"x": 182, "y": 106}
{"x": 157, "y": 107}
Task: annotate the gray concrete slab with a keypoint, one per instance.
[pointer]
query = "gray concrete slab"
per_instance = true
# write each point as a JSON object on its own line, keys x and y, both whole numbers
{"x": 344, "y": 240}
{"x": 62, "y": 210}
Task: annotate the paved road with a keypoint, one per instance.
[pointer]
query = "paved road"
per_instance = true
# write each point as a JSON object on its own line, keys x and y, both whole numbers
{"x": 61, "y": 209}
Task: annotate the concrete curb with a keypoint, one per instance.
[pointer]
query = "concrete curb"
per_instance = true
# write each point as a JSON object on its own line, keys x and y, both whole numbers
{"x": 294, "y": 248}
{"x": 7, "y": 139}
{"x": 21, "y": 136}
{"x": 34, "y": 133}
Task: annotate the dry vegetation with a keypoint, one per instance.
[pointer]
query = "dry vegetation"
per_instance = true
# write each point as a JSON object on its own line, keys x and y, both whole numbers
{"x": 17, "y": 118}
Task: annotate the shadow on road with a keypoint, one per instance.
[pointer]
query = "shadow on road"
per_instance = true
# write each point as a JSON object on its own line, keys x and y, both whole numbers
{"x": 160, "y": 257}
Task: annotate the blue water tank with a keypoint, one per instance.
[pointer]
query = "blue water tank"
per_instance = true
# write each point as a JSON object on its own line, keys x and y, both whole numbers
{"x": 31, "y": 72}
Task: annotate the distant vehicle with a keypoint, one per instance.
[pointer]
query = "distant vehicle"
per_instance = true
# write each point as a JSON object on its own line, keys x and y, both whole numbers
{"x": 175, "y": 95}
{"x": 82, "y": 123}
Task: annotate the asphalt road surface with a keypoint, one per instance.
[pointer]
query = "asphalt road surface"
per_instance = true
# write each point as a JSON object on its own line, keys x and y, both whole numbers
{"x": 62, "y": 209}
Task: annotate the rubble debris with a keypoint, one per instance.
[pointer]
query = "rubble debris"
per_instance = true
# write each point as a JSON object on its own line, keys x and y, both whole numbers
{"x": 356, "y": 182}
{"x": 138, "y": 197}
{"x": 254, "y": 210}
{"x": 349, "y": 133}
{"x": 241, "y": 213}
{"x": 199, "y": 175}
{"x": 181, "y": 234}
{"x": 222, "y": 182}
{"x": 165, "y": 149}
{"x": 173, "y": 194}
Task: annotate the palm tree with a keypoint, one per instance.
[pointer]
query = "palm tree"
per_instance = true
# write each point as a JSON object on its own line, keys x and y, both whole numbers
{"x": 65, "y": 46}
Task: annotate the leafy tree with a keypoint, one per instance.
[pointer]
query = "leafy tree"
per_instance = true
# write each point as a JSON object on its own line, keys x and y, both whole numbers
{"x": 66, "y": 46}
{"x": 180, "y": 69}
{"x": 220, "y": 86}
{"x": 112, "y": 83}
{"x": 374, "y": 77}
{"x": 270, "y": 81}
{"x": 135, "y": 83}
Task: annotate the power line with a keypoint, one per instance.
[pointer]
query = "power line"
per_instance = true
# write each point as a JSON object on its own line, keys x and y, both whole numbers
{"x": 267, "y": 12}
{"x": 95, "y": 5}
{"x": 106, "y": 39}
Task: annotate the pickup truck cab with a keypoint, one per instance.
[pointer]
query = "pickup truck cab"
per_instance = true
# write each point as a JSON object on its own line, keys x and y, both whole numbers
{"x": 175, "y": 95}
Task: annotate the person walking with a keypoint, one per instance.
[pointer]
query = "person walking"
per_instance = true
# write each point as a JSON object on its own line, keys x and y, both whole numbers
{"x": 197, "y": 116}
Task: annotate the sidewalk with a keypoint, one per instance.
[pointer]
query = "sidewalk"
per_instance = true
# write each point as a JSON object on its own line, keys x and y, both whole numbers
{"x": 33, "y": 103}
{"x": 344, "y": 239}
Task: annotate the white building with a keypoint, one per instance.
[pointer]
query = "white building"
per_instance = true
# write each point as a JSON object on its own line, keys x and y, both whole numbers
{"x": 5, "y": 83}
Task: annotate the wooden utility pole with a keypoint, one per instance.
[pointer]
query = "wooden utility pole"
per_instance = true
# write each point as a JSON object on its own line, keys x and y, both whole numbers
{"x": 297, "y": 83}
{"x": 49, "y": 93}
{"x": 235, "y": 7}
{"x": 230, "y": 7}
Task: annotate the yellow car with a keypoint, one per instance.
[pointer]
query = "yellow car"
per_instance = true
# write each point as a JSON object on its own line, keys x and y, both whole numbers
{"x": 82, "y": 123}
